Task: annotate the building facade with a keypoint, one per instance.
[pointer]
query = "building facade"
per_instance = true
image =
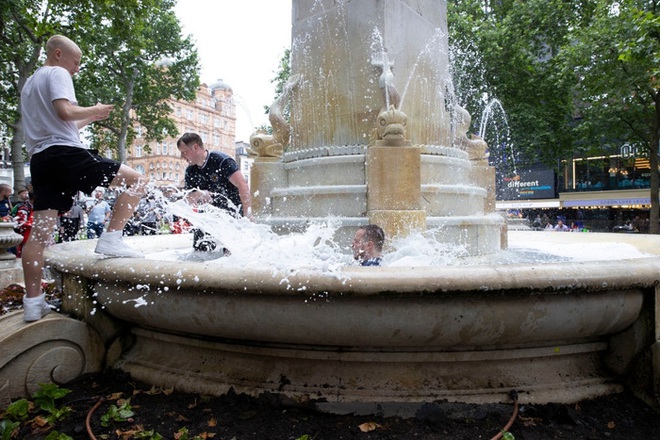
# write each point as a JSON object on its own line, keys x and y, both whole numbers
{"x": 212, "y": 115}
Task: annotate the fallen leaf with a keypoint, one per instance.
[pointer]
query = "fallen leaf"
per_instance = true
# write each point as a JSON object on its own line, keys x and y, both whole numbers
{"x": 39, "y": 421}
{"x": 115, "y": 396}
{"x": 611, "y": 425}
{"x": 181, "y": 418}
{"x": 368, "y": 426}
{"x": 168, "y": 391}
{"x": 213, "y": 422}
{"x": 153, "y": 391}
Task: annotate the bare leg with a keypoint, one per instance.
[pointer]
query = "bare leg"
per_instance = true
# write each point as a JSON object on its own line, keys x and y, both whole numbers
{"x": 127, "y": 202}
{"x": 33, "y": 251}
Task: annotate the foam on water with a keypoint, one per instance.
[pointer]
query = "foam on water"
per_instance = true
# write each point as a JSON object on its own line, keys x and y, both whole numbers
{"x": 256, "y": 245}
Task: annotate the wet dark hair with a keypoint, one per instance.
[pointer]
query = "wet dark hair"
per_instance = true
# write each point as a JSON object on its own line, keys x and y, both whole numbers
{"x": 190, "y": 138}
{"x": 375, "y": 234}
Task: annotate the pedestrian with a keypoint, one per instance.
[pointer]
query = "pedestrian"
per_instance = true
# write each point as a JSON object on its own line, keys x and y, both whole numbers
{"x": 368, "y": 245}
{"x": 70, "y": 223}
{"x": 149, "y": 214}
{"x": 61, "y": 165}
{"x": 23, "y": 196}
{"x": 213, "y": 177}
{"x": 5, "y": 201}
{"x": 98, "y": 214}
{"x": 24, "y": 219}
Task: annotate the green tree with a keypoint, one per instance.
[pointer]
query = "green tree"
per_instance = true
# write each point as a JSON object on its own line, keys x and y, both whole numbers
{"x": 515, "y": 44}
{"x": 134, "y": 56}
{"x": 281, "y": 77}
{"x": 137, "y": 59}
{"x": 615, "y": 60}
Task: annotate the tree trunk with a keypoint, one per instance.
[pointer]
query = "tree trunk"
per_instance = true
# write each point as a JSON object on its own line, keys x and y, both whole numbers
{"x": 126, "y": 117}
{"x": 17, "y": 162}
{"x": 654, "y": 216}
{"x": 18, "y": 139}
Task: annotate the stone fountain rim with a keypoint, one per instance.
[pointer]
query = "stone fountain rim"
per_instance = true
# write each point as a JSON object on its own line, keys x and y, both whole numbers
{"x": 77, "y": 258}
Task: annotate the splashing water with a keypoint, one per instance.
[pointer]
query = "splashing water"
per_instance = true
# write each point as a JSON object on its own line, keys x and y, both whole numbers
{"x": 502, "y": 133}
{"x": 256, "y": 245}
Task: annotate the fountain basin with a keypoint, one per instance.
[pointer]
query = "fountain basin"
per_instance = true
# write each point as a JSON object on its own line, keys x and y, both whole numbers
{"x": 391, "y": 334}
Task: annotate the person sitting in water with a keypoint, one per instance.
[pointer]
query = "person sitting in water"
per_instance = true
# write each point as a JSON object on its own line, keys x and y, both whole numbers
{"x": 368, "y": 245}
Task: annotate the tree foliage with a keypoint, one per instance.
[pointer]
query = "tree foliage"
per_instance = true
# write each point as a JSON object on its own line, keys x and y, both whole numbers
{"x": 576, "y": 77}
{"x": 25, "y": 25}
{"x": 282, "y": 76}
{"x": 512, "y": 45}
{"x": 615, "y": 60}
{"x": 136, "y": 59}
{"x": 133, "y": 56}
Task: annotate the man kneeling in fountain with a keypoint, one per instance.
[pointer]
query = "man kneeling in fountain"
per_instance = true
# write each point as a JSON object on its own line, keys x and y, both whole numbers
{"x": 368, "y": 245}
{"x": 213, "y": 177}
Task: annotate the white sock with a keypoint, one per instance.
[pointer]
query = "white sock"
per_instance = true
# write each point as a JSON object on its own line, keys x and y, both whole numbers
{"x": 109, "y": 235}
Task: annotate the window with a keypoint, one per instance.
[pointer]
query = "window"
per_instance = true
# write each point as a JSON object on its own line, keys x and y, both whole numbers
{"x": 189, "y": 115}
{"x": 138, "y": 150}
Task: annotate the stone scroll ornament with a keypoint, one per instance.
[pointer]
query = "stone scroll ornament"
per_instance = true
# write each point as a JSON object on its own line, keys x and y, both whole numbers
{"x": 55, "y": 349}
{"x": 263, "y": 144}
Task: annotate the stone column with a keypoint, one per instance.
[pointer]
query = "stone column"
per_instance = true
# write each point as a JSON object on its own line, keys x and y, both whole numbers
{"x": 394, "y": 189}
{"x": 267, "y": 174}
{"x": 338, "y": 97}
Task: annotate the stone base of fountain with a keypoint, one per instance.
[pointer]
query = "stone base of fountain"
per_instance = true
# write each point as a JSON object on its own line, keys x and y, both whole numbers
{"x": 556, "y": 332}
{"x": 455, "y": 198}
{"x": 336, "y": 378}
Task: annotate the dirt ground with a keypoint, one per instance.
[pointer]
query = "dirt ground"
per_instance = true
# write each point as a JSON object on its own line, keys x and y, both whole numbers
{"x": 175, "y": 415}
{"x": 154, "y": 414}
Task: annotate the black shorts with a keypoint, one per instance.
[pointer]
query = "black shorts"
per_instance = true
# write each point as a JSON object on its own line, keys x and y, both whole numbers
{"x": 59, "y": 172}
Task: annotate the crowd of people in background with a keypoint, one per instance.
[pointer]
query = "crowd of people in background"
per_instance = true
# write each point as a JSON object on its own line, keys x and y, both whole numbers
{"x": 553, "y": 222}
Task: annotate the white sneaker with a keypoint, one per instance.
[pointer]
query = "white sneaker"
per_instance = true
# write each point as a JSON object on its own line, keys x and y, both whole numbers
{"x": 111, "y": 244}
{"x": 35, "y": 308}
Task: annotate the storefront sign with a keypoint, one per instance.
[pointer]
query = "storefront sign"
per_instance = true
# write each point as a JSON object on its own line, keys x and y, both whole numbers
{"x": 608, "y": 202}
{"x": 530, "y": 184}
{"x": 633, "y": 151}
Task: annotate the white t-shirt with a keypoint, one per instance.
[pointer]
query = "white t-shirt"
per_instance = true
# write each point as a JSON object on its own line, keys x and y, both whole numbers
{"x": 41, "y": 125}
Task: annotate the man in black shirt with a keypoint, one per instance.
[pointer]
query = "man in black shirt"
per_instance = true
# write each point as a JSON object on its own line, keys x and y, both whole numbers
{"x": 214, "y": 178}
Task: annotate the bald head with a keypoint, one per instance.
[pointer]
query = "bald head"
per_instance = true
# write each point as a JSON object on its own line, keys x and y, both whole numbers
{"x": 60, "y": 42}
{"x": 62, "y": 52}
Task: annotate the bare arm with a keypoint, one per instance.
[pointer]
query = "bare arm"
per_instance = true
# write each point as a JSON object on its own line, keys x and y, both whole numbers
{"x": 238, "y": 181}
{"x": 82, "y": 116}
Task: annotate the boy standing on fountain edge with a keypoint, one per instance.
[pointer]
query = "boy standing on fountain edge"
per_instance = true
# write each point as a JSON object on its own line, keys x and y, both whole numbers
{"x": 61, "y": 165}
{"x": 214, "y": 178}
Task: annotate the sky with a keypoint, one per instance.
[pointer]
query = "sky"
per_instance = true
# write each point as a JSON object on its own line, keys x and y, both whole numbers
{"x": 240, "y": 42}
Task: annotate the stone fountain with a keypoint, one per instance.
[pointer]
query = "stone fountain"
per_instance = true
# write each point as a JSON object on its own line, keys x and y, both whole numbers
{"x": 372, "y": 138}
